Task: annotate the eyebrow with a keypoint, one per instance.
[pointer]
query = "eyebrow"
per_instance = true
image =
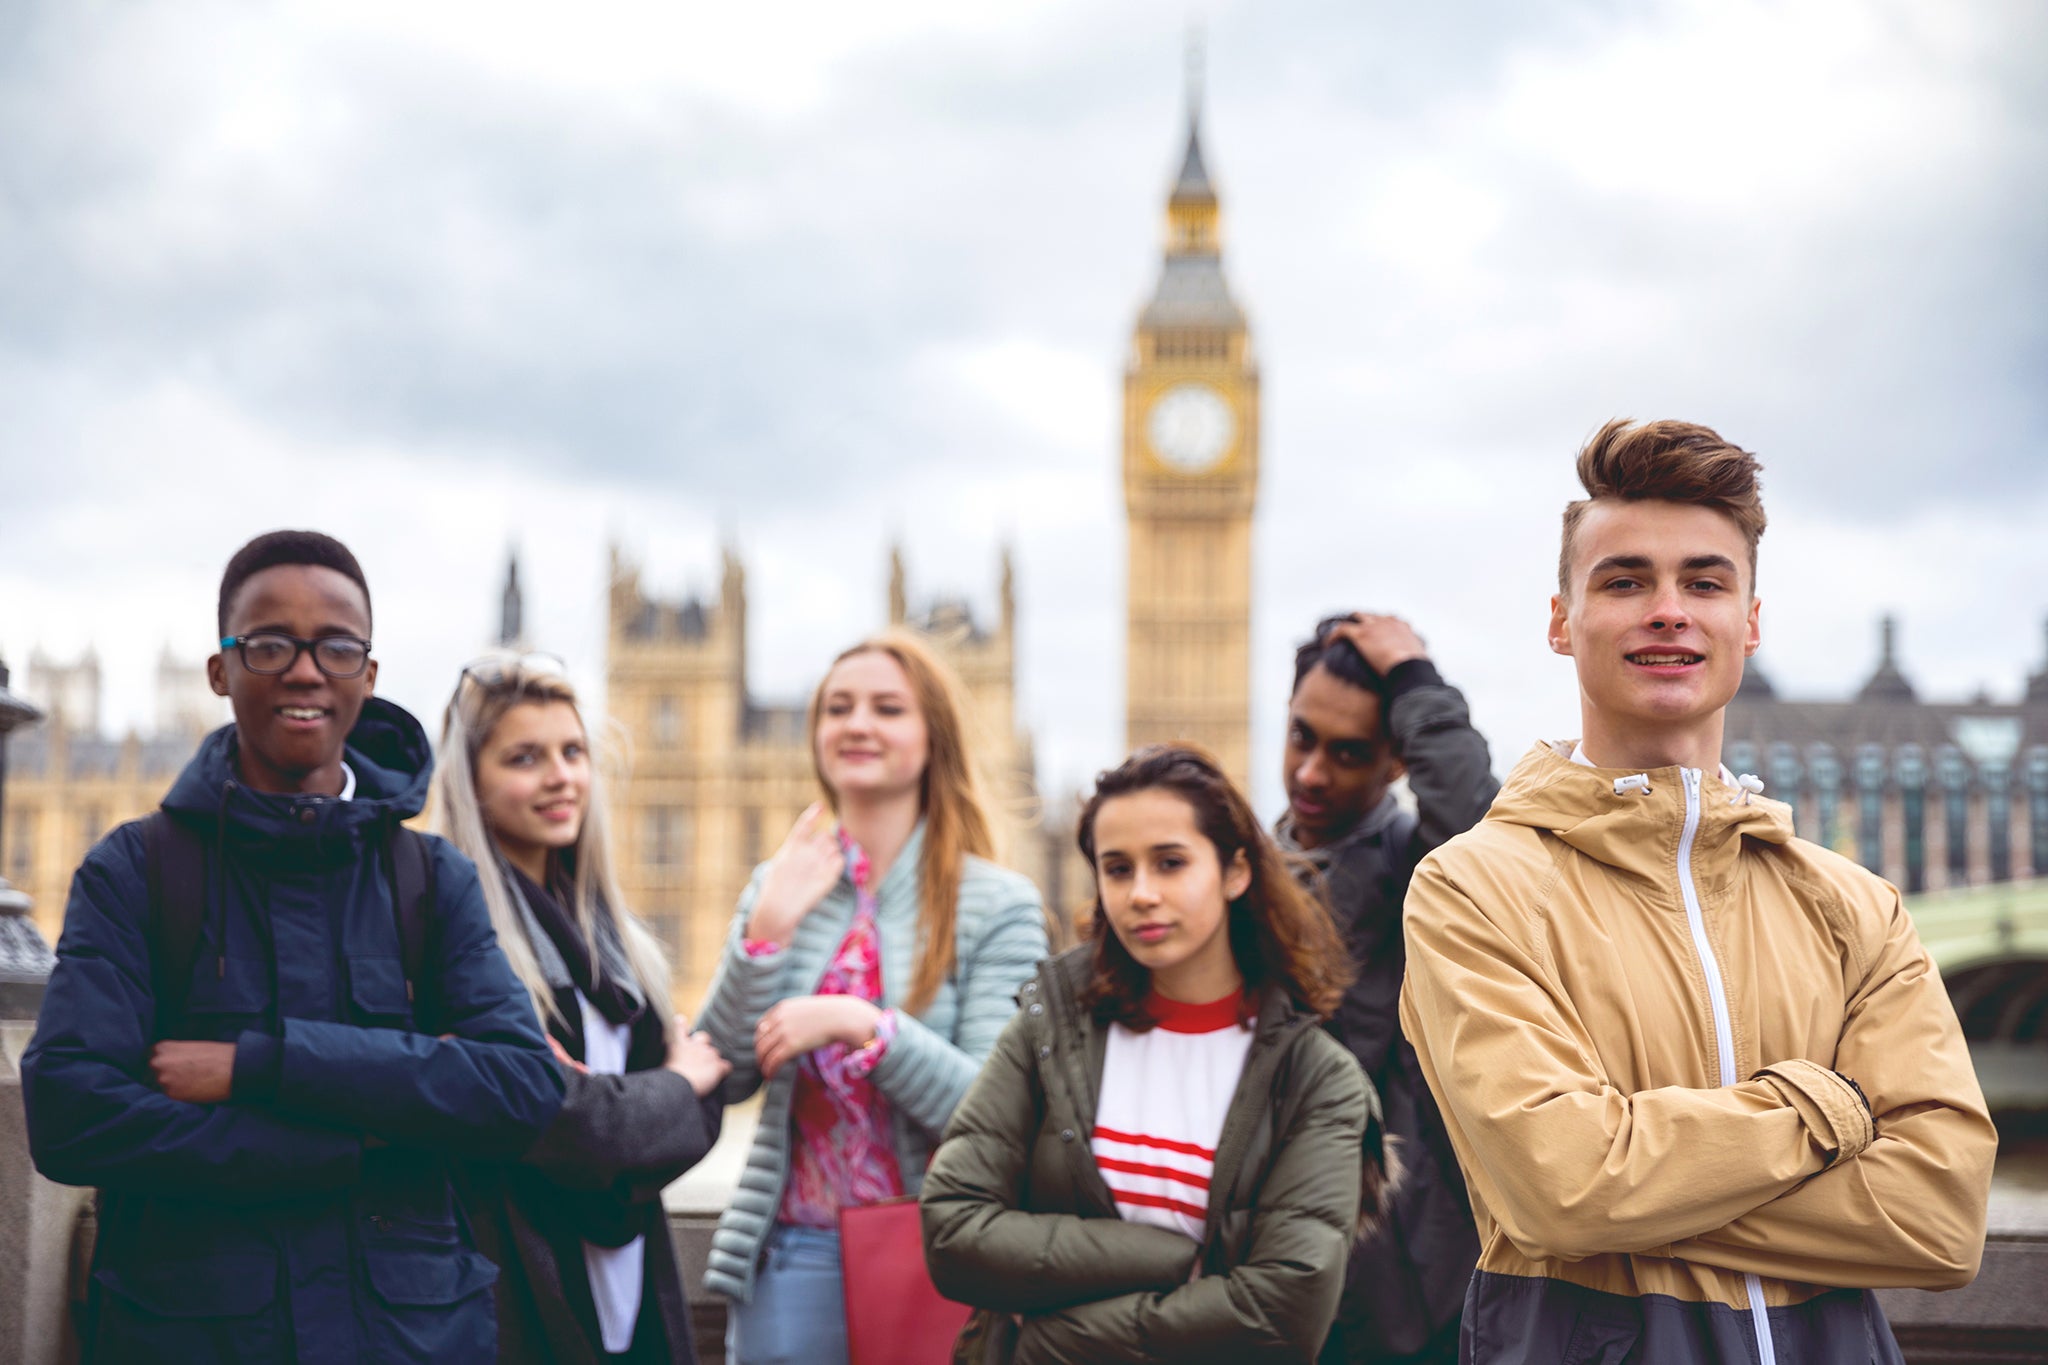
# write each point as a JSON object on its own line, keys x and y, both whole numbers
{"x": 848, "y": 693}
{"x": 319, "y": 632}
{"x": 1170, "y": 846}
{"x": 1641, "y": 563}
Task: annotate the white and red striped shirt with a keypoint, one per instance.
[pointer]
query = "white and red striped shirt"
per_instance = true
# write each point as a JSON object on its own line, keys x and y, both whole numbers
{"x": 1164, "y": 1096}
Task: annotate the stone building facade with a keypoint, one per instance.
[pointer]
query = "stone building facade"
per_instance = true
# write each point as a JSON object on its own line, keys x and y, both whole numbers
{"x": 68, "y": 782}
{"x": 1929, "y": 794}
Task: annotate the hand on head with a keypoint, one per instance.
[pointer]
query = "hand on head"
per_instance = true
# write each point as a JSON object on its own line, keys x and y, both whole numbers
{"x": 1384, "y": 642}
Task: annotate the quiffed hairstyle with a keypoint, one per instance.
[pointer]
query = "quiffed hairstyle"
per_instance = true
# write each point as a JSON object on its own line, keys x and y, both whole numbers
{"x": 1338, "y": 655}
{"x": 1671, "y": 462}
{"x": 956, "y": 818}
{"x": 273, "y": 548}
{"x": 487, "y": 689}
{"x": 1279, "y": 932}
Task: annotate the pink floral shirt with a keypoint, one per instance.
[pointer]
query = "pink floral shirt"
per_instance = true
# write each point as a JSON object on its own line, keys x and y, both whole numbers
{"x": 844, "y": 1149}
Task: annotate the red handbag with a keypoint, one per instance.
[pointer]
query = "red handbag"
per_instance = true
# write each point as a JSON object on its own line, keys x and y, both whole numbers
{"x": 894, "y": 1313}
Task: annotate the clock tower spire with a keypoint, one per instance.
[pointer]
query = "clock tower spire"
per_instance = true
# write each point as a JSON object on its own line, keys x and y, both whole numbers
{"x": 1191, "y": 464}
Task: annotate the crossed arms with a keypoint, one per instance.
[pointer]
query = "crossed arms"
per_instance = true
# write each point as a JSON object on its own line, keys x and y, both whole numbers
{"x": 96, "y": 1116}
{"x": 1784, "y": 1174}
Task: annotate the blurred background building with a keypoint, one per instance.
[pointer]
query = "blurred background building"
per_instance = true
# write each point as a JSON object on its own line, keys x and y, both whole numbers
{"x": 69, "y": 781}
{"x": 1928, "y": 794}
{"x": 1191, "y": 482}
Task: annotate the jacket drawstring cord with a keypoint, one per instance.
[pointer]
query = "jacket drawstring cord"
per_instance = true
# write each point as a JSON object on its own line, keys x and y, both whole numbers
{"x": 216, "y": 896}
{"x": 1751, "y": 785}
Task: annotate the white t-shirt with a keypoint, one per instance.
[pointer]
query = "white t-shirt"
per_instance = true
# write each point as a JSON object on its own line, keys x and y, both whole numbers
{"x": 1165, "y": 1093}
{"x": 617, "y": 1274}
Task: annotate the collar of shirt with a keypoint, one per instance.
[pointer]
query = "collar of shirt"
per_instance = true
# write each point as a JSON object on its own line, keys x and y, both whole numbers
{"x": 1579, "y": 757}
{"x": 1323, "y": 855}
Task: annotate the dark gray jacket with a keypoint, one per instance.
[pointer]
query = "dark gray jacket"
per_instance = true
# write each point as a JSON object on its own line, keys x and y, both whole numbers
{"x": 595, "y": 1174}
{"x": 1405, "y": 1285}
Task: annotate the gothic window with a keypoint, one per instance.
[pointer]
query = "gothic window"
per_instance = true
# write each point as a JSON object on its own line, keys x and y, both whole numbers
{"x": 668, "y": 722}
{"x": 92, "y": 823}
{"x": 668, "y": 838}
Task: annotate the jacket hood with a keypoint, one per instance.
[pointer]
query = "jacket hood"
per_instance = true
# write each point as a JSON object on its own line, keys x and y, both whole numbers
{"x": 1637, "y": 826}
{"x": 387, "y": 750}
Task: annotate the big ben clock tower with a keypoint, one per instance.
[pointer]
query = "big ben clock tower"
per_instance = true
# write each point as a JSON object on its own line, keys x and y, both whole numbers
{"x": 1191, "y": 478}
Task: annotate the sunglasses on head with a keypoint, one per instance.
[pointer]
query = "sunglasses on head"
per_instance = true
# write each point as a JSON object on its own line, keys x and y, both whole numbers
{"x": 505, "y": 668}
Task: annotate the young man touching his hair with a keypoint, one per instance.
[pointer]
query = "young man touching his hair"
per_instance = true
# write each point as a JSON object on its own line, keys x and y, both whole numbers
{"x": 262, "y": 1051}
{"x": 1704, "y": 1081}
{"x": 1368, "y": 707}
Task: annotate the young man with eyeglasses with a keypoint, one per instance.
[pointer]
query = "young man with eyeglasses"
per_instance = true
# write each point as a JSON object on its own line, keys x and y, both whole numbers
{"x": 1368, "y": 706}
{"x": 262, "y": 1062}
{"x": 1702, "y": 1076}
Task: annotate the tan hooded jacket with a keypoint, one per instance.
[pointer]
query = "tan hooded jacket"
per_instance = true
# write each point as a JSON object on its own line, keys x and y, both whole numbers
{"x": 1631, "y": 995}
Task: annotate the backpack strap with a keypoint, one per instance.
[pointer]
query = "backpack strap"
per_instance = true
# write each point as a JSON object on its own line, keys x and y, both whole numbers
{"x": 412, "y": 900}
{"x": 175, "y": 863}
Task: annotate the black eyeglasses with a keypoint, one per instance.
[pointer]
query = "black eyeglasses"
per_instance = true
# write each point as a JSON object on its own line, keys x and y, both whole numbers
{"x": 508, "y": 668}
{"x": 271, "y": 652}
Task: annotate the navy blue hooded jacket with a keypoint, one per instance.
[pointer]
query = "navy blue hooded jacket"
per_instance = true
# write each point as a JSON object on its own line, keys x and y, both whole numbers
{"x": 310, "y": 1218}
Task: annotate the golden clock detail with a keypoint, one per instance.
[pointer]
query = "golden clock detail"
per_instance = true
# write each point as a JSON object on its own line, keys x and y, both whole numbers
{"x": 1191, "y": 427}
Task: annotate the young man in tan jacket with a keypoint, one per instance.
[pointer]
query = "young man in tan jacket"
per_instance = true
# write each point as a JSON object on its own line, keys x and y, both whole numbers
{"x": 1704, "y": 1081}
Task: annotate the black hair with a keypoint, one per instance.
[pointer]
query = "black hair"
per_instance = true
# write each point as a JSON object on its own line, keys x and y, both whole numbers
{"x": 1339, "y": 656}
{"x": 273, "y": 548}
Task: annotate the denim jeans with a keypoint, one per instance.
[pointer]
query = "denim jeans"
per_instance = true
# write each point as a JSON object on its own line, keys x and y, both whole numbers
{"x": 798, "y": 1313}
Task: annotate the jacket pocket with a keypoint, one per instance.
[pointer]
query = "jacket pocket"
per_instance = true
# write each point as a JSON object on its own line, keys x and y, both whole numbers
{"x": 226, "y": 997}
{"x": 214, "y": 1308}
{"x": 376, "y": 987}
{"x": 435, "y": 1304}
{"x": 1600, "y": 1338}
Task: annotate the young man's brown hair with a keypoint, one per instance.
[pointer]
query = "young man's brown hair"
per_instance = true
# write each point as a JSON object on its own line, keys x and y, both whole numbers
{"x": 1680, "y": 462}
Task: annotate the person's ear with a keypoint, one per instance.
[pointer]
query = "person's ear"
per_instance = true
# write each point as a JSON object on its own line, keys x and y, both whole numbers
{"x": 217, "y": 673}
{"x": 1755, "y": 638}
{"x": 370, "y": 679}
{"x": 1560, "y": 625}
{"x": 1237, "y": 878}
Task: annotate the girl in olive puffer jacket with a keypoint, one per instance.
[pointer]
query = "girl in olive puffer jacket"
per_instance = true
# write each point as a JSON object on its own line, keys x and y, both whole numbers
{"x": 1164, "y": 1158}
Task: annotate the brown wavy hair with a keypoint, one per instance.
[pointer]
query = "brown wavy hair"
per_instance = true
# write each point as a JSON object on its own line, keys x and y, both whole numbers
{"x": 956, "y": 820}
{"x": 1668, "y": 461}
{"x": 1280, "y": 934}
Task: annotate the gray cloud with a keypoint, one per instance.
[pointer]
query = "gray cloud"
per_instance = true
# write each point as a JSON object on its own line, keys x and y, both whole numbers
{"x": 898, "y": 303}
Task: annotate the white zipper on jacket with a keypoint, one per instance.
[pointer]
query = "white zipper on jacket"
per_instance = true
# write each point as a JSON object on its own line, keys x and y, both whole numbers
{"x": 1724, "y": 1031}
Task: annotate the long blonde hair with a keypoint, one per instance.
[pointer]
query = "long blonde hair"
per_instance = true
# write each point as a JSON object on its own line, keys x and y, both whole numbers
{"x": 488, "y": 688}
{"x": 956, "y": 819}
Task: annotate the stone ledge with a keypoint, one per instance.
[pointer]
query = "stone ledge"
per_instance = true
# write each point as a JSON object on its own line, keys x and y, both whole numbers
{"x": 2000, "y": 1318}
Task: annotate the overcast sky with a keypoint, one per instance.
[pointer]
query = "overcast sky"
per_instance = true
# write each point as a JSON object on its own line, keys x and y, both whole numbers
{"x": 446, "y": 278}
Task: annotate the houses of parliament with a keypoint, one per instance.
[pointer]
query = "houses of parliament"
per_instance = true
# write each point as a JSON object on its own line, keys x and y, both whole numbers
{"x": 716, "y": 775}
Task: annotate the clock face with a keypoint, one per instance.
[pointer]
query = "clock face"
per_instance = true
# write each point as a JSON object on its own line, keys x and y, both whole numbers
{"x": 1190, "y": 427}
